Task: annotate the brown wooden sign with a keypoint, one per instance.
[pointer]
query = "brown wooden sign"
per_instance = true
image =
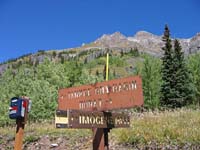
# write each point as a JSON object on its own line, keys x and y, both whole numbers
{"x": 108, "y": 95}
{"x": 91, "y": 119}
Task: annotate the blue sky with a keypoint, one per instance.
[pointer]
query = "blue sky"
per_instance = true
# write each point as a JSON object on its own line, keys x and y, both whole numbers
{"x": 27, "y": 26}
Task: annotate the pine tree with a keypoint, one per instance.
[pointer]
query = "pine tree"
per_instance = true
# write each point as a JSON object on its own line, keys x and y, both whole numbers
{"x": 176, "y": 87}
{"x": 179, "y": 70}
{"x": 122, "y": 53}
{"x": 181, "y": 76}
{"x": 167, "y": 69}
{"x": 104, "y": 72}
{"x": 114, "y": 73}
{"x": 97, "y": 72}
{"x": 54, "y": 54}
{"x": 62, "y": 59}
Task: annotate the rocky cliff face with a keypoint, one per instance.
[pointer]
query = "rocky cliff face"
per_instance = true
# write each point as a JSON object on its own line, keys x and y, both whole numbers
{"x": 194, "y": 44}
{"x": 145, "y": 42}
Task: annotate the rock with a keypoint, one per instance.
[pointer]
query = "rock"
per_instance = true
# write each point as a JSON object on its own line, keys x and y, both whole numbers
{"x": 54, "y": 145}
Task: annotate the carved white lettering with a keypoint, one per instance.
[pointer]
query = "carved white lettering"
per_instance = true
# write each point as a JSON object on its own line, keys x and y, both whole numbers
{"x": 91, "y": 119}
{"x": 78, "y": 94}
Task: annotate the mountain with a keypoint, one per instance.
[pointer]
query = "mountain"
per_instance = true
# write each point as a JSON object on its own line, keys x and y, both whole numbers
{"x": 144, "y": 41}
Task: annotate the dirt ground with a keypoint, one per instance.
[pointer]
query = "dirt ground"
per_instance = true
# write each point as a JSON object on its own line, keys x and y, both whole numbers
{"x": 58, "y": 143}
{"x": 85, "y": 143}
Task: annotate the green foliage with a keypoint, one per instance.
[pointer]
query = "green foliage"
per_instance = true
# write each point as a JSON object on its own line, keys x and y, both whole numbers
{"x": 87, "y": 78}
{"x": 167, "y": 69}
{"x": 62, "y": 59}
{"x": 101, "y": 61}
{"x": 149, "y": 69}
{"x": 30, "y": 139}
{"x": 182, "y": 85}
{"x": 40, "y": 84}
{"x": 134, "y": 52}
{"x": 73, "y": 71}
{"x": 44, "y": 100}
{"x": 116, "y": 61}
{"x": 86, "y": 52}
{"x": 55, "y": 74}
{"x": 91, "y": 64}
{"x": 176, "y": 86}
{"x": 194, "y": 66}
{"x": 114, "y": 73}
{"x": 54, "y": 54}
{"x": 151, "y": 81}
{"x": 97, "y": 73}
{"x": 41, "y": 52}
{"x": 4, "y": 120}
{"x": 122, "y": 53}
{"x": 42, "y": 81}
{"x": 83, "y": 53}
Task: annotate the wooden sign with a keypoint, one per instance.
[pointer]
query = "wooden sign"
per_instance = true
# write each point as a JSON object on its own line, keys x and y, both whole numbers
{"x": 91, "y": 119}
{"x": 108, "y": 95}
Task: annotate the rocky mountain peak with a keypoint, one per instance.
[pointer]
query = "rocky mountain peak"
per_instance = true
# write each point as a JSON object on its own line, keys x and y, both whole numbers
{"x": 142, "y": 34}
{"x": 146, "y": 35}
{"x": 111, "y": 40}
{"x": 198, "y": 34}
{"x": 196, "y": 37}
{"x": 117, "y": 36}
{"x": 145, "y": 42}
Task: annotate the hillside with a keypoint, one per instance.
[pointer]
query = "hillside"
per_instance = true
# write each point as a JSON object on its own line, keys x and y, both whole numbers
{"x": 143, "y": 41}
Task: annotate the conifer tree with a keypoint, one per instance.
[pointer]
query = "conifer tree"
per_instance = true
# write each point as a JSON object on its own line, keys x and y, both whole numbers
{"x": 176, "y": 87}
{"x": 179, "y": 70}
{"x": 181, "y": 76}
{"x": 167, "y": 69}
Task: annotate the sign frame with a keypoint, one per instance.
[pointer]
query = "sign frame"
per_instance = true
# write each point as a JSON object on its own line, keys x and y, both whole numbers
{"x": 91, "y": 119}
{"x": 114, "y": 94}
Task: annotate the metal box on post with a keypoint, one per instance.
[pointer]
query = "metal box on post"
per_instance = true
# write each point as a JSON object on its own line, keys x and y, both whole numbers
{"x": 17, "y": 108}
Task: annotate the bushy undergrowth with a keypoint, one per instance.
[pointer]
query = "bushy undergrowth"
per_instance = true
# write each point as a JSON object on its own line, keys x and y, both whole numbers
{"x": 167, "y": 127}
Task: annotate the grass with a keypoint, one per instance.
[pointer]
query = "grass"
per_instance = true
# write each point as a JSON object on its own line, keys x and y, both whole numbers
{"x": 174, "y": 127}
{"x": 177, "y": 127}
{"x": 36, "y": 130}
{"x": 30, "y": 139}
{"x": 50, "y": 130}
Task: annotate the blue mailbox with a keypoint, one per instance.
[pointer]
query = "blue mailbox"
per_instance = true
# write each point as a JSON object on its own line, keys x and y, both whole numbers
{"x": 17, "y": 108}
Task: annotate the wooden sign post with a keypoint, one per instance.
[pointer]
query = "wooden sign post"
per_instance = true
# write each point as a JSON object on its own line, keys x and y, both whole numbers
{"x": 90, "y": 106}
{"x": 106, "y": 130}
{"x": 19, "y": 134}
{"x": 100, "y": 123}
{"x": 100, "y": 136}
{"x": 20, "y": 121}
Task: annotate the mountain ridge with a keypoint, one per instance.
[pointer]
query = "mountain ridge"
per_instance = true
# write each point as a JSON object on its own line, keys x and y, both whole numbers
{"x": 146, "y": 42}
{"x": 143, "y": 41}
